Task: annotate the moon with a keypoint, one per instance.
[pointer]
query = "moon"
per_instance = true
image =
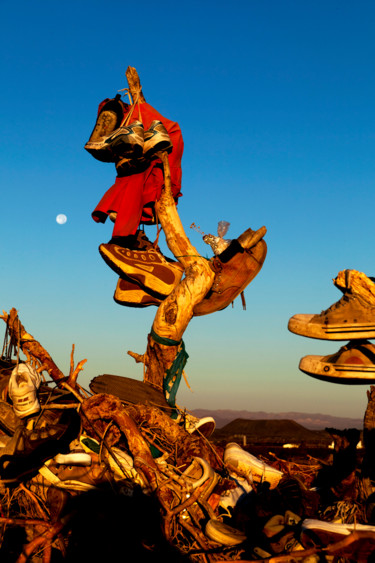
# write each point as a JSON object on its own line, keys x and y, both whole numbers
{"x": 61, "y": 219}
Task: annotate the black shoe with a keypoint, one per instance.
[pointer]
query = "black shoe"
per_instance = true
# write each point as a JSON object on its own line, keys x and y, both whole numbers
{"x": 27, "y": 450}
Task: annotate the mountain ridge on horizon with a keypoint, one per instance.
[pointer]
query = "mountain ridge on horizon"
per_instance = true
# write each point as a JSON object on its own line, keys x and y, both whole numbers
{"x": 313, "y": 421}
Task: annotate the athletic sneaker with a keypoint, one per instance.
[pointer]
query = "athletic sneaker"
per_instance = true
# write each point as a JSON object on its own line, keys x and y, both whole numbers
{"x": 349, "y": 318}
{"x": 130, "y": 294}
{"x": 148, "y": 268}
{"x": 244, "y": 463}
{"x": 156, "y": 139}
{"x": 23, "y": 385}
{"x": 124, "y": 141}
{"x": 352, "y": 364}
{"x": 319, "y": 532}
{"x": 109, "y": 119}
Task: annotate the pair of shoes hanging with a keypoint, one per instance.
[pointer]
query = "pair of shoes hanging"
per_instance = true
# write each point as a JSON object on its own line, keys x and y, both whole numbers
{"x": 351, "y": 318}
{"x": 147, "y": 277}
{"x": 127, "y": 145}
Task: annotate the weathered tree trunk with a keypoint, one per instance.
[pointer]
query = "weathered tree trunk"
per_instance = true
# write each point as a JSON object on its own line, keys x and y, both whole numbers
{"x": 164, "y": 346}
{"x": 175, "y": 313}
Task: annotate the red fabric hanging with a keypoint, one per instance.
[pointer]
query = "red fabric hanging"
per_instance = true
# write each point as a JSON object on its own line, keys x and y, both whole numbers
{"x": 132, "y": 197}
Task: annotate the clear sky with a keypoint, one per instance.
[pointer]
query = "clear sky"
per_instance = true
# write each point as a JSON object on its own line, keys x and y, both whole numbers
{"x": 275, "y": 99}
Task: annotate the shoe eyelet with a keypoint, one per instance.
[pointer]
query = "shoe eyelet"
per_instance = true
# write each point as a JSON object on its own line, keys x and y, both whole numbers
{"x": 326, "y": 368}
{"x": 143, "y": 257}
{"x": 135, "y": 255}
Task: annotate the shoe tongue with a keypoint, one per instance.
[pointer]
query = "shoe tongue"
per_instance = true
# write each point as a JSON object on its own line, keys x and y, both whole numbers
{"x": 343, "y": 281}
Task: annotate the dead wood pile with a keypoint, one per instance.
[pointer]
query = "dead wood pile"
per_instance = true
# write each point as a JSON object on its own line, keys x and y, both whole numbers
{"x": 152, "y": 489}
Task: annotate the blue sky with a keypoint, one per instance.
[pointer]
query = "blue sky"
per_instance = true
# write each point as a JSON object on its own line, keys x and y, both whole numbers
{"x": 275, "y": 100}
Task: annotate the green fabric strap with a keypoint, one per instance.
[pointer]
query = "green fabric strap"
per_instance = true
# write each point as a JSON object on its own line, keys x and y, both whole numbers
{"x": 165, "y": 341}
{"x": 172, "y": 377}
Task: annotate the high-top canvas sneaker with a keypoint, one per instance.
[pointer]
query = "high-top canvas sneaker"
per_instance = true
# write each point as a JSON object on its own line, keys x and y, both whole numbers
{"x": 354, "y": 363}
{"x": 156, "y": 139}
{"x": 349, "y": 318}
{"x": 23, "y": 385}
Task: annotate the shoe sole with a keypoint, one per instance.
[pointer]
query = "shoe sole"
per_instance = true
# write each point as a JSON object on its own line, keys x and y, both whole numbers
{"x": 300, "y": 324}
{"x": 125, "y": 262}
{"x": 130, "y": 294}
{"x": 223, "y": 533}
{"x": 323, "y": 533}
{"x": 347, "y": 374}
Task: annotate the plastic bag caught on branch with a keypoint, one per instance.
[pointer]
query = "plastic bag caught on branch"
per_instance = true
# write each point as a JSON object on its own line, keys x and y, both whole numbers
{"x": 218, "y": 243}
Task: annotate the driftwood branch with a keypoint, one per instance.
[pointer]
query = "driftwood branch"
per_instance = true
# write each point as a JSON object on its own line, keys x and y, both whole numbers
{"x": 30, "y": 346}
{"x": 134, "y": 83}
{"x": 175, "y": 313}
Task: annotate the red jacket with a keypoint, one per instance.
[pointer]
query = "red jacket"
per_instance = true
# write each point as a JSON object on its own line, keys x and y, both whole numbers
{"x": 132, "y": 197}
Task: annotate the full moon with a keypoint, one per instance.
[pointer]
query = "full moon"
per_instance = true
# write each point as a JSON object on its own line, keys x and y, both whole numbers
{"x": 61, "y": 219}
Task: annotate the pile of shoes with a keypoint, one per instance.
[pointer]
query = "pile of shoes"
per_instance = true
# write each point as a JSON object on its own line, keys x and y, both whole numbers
{"x": 234, "y": 504}
{"x": 351, "y": 318}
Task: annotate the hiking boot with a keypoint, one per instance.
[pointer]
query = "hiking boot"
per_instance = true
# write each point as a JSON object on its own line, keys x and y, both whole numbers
{"x": 130, "y": 294}
{"x": 148, "y": 268}
{"x": 23, "y": 385}
{"x": 349, "y": 318}
{"x": 352, "y": 364}
{"x": 156, "y": 139}
{"x": 109, "y": 119}
{"x": 234, "y": 269}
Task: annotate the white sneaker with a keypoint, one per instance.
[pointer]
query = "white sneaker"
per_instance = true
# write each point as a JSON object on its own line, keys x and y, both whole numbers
{"x": 223, "y": 533}
{"x": 204, "y": 426}
{"x": 23, "y": 385}
{"x": 245, "y": 464}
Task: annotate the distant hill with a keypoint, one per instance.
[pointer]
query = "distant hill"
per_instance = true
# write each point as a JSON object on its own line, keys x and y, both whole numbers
{"x": 316, "y": 421}
{"x": 272, "y": 432}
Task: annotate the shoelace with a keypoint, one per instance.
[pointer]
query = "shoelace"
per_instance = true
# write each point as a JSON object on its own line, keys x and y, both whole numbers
{"x": 344, "y": 299}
